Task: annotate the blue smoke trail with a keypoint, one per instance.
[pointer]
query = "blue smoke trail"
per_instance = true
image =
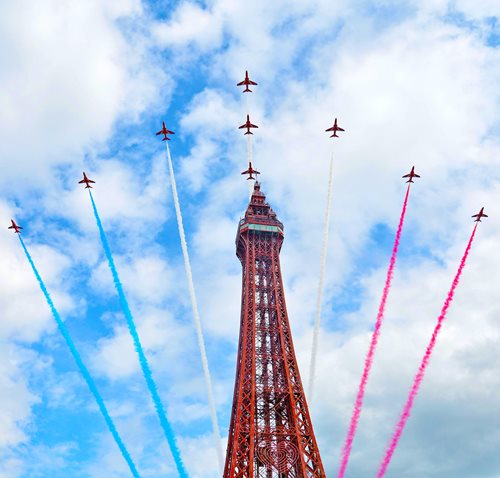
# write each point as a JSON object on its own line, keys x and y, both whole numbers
{"x": 81, "y": 366}
{"x": 169, "y": 434}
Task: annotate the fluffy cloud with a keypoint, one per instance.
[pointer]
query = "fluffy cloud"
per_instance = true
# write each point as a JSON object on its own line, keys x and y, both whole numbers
{"x": 68, "y": 73}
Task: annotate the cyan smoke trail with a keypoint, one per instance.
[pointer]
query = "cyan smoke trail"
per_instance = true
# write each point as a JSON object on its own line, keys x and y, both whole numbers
{"x": 81, "y": 366}
{"x": 405, "y": 415}
{"x": 324, "y": 248}
{"x": 167, "y": 429}
{"x": 196, "y": 315}
{"x": 358, "y": 404}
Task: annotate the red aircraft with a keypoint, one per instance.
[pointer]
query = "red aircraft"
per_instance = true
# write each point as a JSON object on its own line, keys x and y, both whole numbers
{"x": 250, "y": 171}
{"x": 335, "y": 128}
{"x": 247, "y": 82}
{"x": 479, "y": 215}
{"x": 164, "y": 131}
{"x": 87, "y": 181}
{"x": 17, "y": 229}
{"x": 248, "y": 125}
{"x": 412, "y": 174}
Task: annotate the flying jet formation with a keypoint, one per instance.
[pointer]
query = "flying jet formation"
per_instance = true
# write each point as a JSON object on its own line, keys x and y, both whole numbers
{"x": 250, "y": 171}
{"x": 335, "y": 128}
{"x": 248, "y": 125}
{"x": 479, "y": 215}
{"x": 17, "y": 229}
{"x": 246, "y": 82}
{"x": 164, "y": 131}
{"x": 87, "y": 181}
{"x": 412, "y": 174}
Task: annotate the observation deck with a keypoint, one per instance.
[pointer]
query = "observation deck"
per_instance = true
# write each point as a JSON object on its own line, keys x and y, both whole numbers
{"x": 259, "y": 216}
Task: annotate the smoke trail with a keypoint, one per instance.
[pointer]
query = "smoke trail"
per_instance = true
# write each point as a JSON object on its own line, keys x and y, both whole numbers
{"x": 249, "y": 148}
{"x": 196, "y": 314}
{"x": 167, "y": 429}
{"x": 81, "y": 366}
{"x": 250, "y": 181}
{"x": 346, "y": 451}
{"x": 249, "y": 136}
{"x": 314, "y": 351}
{"x": 423, "y": 365}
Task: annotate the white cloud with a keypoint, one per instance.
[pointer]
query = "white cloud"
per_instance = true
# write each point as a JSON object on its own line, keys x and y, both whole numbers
{"x": 67, "y": 73}
{"x": 16, "y": 398}
{"x": 190, "y": 24}
{"x": 200, "y": 457}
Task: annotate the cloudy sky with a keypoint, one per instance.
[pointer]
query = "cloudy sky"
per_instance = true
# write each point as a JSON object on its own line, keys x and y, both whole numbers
{"x": 85, "y": 85}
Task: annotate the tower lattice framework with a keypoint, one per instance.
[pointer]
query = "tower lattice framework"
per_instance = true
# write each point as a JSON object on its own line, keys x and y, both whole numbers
{"x": 270, "y": 434}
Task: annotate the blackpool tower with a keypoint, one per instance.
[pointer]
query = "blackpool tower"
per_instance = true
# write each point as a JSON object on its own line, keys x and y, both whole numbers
{"x": 270, "y": 434}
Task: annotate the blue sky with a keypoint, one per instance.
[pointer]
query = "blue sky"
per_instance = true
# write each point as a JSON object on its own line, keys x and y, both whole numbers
{"x": 85, "y": 87}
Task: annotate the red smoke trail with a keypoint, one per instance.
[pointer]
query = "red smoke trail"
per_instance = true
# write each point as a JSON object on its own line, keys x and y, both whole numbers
{"x": 423, "y": 365}
{"x": 358, "y": 404}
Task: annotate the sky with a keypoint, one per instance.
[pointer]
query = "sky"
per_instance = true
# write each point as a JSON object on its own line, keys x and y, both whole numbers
{"x": 85, "y": 85}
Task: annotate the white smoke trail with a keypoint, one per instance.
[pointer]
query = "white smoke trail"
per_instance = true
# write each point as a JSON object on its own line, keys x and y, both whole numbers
{"x": 324, "y": 250}
{"x": 194, "y": 304}
{"x": 249, "y": 144}
{"x": 250, "y": 181}
{"x": 249, "y": 147}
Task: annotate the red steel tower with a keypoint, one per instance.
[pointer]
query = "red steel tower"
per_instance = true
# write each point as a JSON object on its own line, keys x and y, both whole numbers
{"x": 271, "y": 434}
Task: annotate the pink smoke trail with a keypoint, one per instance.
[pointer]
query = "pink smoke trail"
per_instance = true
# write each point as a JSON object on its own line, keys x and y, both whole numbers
{"x": 358, "y": 404}
{"x": 423, "y": 365}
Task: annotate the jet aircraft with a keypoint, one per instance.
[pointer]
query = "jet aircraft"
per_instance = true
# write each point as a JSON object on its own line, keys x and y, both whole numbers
{"x": 412, "y": 174}
{"x": 248, "y": 125}
{"x": 164, "y": 131}
{"x": 479, "y": 215}
{"x": 250, "y": 171}
{"x": 246, "y": 82}
{"x": 335, "y": 128}
{"x": 17, "y": 229}
{"x": 87, "y": 181}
